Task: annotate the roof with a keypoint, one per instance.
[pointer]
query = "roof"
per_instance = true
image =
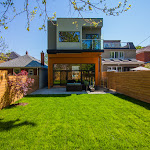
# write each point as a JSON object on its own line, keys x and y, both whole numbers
{"x": 145, "y": 49}
{"x": 121, "y": 61}
{"x": 54, "y": 51}
{"x": 13, "y": 55}
{"x": 23, "y": 61}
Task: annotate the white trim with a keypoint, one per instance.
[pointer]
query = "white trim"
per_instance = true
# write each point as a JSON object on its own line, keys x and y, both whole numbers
{"x": 116, "y": 68}
{"x": 118, "y": 54}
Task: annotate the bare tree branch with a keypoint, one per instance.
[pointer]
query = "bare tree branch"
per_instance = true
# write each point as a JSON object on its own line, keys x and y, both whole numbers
{"x": 8, "y": 11}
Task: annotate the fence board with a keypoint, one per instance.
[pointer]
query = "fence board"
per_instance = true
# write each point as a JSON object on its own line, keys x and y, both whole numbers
{"x": 5, "y": 99}
{"x": 133, "y": 84}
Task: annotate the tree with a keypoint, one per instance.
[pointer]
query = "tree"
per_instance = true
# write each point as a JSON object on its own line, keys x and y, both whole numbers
{"x": 147, "y": 65}
{"x": 139, "y": 47}
{"x": 8, "y": 11}
{"x": 46, "y": 59}
{"x": 20, "y": 84}
{"x": 3, "y": 47}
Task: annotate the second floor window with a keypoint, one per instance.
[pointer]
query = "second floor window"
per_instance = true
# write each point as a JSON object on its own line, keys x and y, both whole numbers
{"x": 117, "y": 55}
{"x": 69, "y": 36}
{"x": 92, "y": 36}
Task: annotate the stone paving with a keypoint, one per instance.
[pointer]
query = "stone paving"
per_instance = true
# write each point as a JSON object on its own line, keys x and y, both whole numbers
{"x": 62, "y": 90}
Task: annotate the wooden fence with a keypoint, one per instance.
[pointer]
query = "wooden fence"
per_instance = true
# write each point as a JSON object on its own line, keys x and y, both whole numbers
{"x": 133, "y": 84}
{"x": 7, "y": 95}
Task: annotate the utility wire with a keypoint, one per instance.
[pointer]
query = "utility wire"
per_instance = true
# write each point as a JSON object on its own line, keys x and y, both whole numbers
{"x": 143, "y": 41}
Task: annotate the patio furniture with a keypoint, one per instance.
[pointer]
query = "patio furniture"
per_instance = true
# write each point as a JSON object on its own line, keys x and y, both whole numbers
{"x": 74, "y": 87}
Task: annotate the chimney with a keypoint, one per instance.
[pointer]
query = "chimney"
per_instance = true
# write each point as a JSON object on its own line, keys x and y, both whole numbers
{"x": 26, "y": 52}
{"x": 42, "y": 58}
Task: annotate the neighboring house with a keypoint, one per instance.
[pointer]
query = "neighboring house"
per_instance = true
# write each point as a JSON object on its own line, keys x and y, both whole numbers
{"x": 9, "y": 56}
{"x": 119, "y": 56}
{"x": 143, "y": 54}
{"x": 74, "y": 51}
{"x": 30, "y": 64}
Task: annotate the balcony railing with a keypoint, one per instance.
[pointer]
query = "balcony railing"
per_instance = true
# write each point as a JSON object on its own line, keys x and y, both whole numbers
{"x": 93, "y": 44}
{"x": 116, "y": 45}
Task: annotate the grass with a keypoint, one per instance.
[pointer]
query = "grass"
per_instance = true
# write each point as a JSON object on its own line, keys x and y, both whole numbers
{"x": 76, "y": 122}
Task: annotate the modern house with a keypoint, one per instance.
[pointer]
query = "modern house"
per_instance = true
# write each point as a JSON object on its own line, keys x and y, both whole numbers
{"x": 119, "y": 56}
{"x": 33, "y": 66}
{"x": 77, "y": 52}
{"x": 143, "y": 54}
{"x": 74, "y": 51}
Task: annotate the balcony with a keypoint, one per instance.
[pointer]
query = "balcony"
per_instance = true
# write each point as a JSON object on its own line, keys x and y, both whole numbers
{"x": 92, "y": 44}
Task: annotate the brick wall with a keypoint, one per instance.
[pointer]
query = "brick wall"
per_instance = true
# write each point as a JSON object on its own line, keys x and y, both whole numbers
{"x": 144, "y": 56}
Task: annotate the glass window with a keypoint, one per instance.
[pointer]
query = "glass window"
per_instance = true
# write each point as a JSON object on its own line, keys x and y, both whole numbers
{"x": 74, "y": 66}
{"x": 92, "y": 36}
{"x": 112, "y": 54}
{"x": 30, "y": 72}
{"x": 119, "y": 69}
{"x": 69, "y": 36}
{"x": 114, "y": 68}
{"x": 106, "y": 45}
{"x": 121, "y": 54}
{"x": 116, "y": 55}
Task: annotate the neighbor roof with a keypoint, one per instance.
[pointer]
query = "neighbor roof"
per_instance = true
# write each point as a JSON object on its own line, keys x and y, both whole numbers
{"x": 23, "y": 61}
{"x": 11, "y": 55}
{"x": 145, "y": 49}
{"x": 121, "y": 61}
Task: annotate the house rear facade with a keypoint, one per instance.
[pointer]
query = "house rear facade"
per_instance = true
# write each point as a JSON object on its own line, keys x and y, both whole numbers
{"x": 119, "y": 56}
{"x": 77, "y": 52}
{"x": 74, "y": 51}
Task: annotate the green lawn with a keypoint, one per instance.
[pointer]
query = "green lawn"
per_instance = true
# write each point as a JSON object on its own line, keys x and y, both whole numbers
{"x": 76, "y": 122}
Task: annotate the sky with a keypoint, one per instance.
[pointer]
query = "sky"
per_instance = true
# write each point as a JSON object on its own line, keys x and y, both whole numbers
{"x": 131, "y": 26}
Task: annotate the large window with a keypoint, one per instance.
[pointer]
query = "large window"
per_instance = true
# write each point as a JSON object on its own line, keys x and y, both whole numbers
{"x": 69, "y": 36}
{"x": 117, "y": 55}
{"x": 78, "y": 73}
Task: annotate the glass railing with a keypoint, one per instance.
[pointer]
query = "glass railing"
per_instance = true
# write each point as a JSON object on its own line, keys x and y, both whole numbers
{"x": 116, "y": 45}
{"x": 93, "y": 44}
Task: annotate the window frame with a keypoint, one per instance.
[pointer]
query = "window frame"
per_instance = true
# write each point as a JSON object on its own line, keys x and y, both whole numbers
{"x": 119, "y": 52}
{"x": 32, "y": 72}
{"x": 116, "y": 68}
{"x": 69, "y": 41}
{"x": 91, "y": 36}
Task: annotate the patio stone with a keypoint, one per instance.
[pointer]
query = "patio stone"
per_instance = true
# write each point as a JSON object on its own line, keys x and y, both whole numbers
{"x": 62, "y": 90}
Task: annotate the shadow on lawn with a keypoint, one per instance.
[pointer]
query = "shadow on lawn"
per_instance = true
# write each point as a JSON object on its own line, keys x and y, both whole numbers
{"x": 8, "y": 125}
{"x": 49, "y": 95}
{"x": 135, "y": 101}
